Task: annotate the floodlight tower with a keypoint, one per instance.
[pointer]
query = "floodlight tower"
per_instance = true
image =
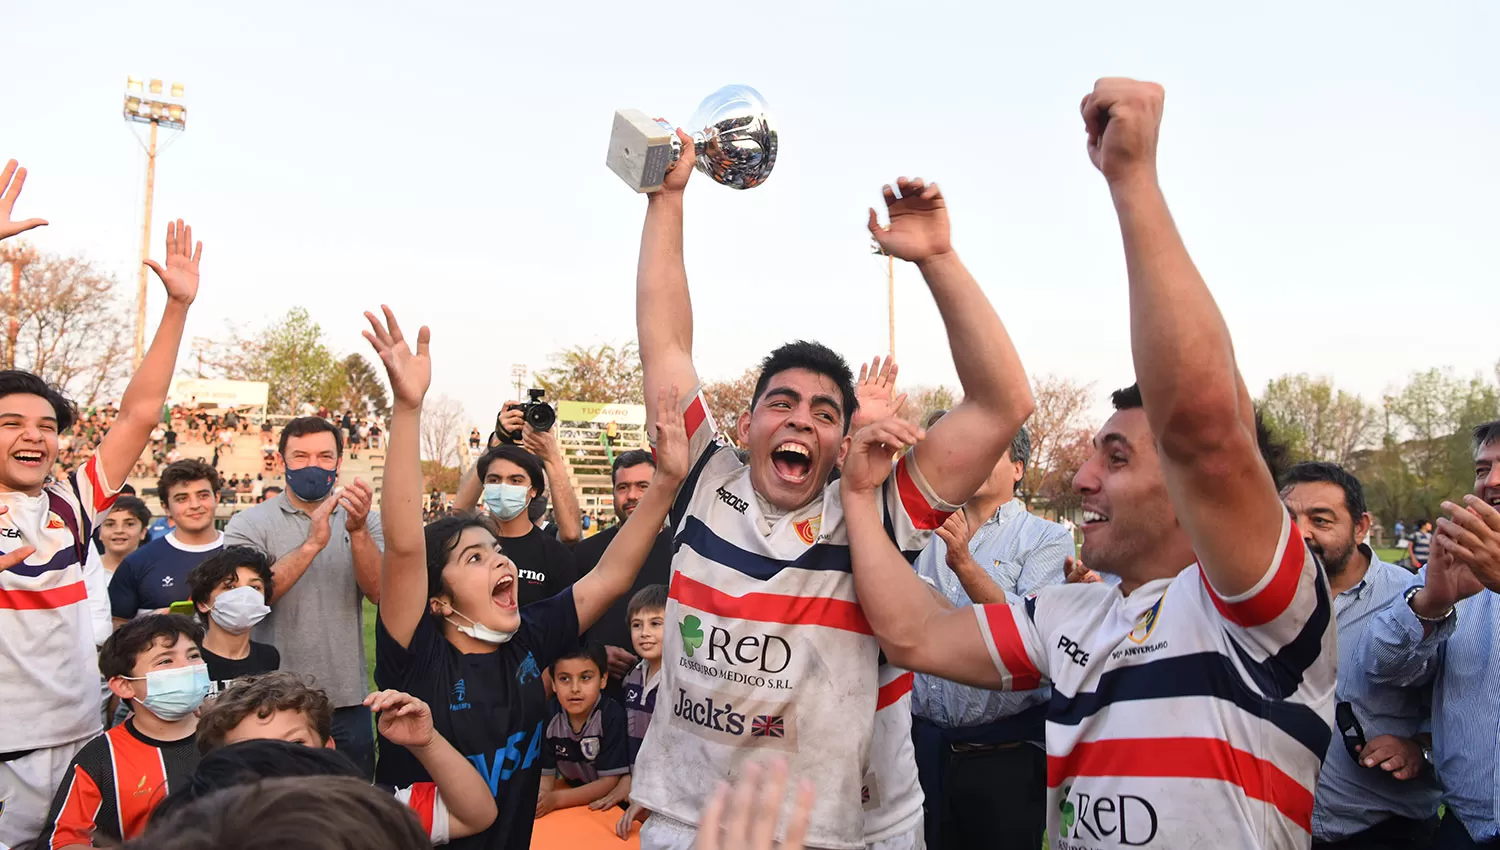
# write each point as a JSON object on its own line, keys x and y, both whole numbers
{"x": 147, "y": 104}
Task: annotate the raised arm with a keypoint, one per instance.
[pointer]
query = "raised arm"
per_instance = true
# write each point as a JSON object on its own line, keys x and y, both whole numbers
{"x": 11, "y": 181}
{"x": 140, "y": 407}
{"x": 406, "y": 721}
{"x": 963, "y": 446}
{"x": 621, "y": 562}
{"x": 663, "y": 310}
{"x": 564, "y": 501}
{"x": 1198, "y": 407}
{"x": 403, "y": 570}
{"x": 915, "y": 629}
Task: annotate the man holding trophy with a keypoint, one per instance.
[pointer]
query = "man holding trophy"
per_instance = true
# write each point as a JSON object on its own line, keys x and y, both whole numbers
{"x": 766, "y": 648}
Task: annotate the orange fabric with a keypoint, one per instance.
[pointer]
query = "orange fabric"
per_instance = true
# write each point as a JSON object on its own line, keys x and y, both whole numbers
{"x": 140, "y": 780}
{"x": 582, "y": 828}
{"x": 75, "y": 823}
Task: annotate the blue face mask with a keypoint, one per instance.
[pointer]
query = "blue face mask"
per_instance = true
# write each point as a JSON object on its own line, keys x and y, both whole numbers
{"x": 311, "y": 483}
{"x": 176, "y": 693}
{"x": 506, "y": 501}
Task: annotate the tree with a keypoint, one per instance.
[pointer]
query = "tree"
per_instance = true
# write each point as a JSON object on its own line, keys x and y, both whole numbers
{"x": 1317, "y": 421}
{"x": 443, "y": 479}
{"x": 729, "y": 398}
{"x": 364, "y": 393}
{"x": 923, "y": 401}
{"x": 604, "y": 374}
{"x": 73, "y": 328}
{"x": 1061, "y": 438}
{"x": 289, "y": 355}
{"x": 442, "y": 431}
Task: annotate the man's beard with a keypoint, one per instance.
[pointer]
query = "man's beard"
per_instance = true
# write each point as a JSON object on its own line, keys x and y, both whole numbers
{"x": 1335, "y": 561}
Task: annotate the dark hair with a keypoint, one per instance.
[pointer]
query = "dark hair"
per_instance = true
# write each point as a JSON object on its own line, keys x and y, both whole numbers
{"x": 325, "y": 810}
{"x": 934, "y": 416}
{"x": 814, "y": 357}
{"x": 305, "y": 425}
{"x": 1127, "y": 398}
{"x": 117, "y": 655}
{"x": 186, "y": 471}
{"x": 221, "y": 567}
{"x": 625, "y": 460}
{"x": 263, "y": 696}
{"x": 652, "y": 597}
{"x": 516, "y": 455}
{"x": 1274, "y": 454}
{"x": 1311, "y": 472}
{"x": 21, "y": 382}
{"x": 587, "y": 650}
{"x": 441, "y": 536}
{"x": 1485, "y": 434}
{"x": 136, "y": 508}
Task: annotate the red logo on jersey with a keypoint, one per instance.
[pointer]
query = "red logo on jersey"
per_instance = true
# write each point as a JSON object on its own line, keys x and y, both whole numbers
{"x": 808, "y": 529}
{"x": 54, "y": 521}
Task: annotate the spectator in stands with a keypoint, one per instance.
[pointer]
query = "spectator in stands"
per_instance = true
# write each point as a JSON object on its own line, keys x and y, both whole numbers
{"x": 512, "y": 478}
{"x": 268, "y": 493}
{"x": 1394, "y": 801}
{"x": 474, "y": 439}
{"x": 245, "y": 485}
{"x": 375, "y": 436}
{"x": 155, "y": 576}
{"x": 266, "y": 432}
{"x": 327, "y": 547}
{"x": 1443, "y": 631}
{"x": 231, "y": 592}
{"x": 631, "y": 477}
{"x": 980, "y": 755}
{"x": 117, "y": 778}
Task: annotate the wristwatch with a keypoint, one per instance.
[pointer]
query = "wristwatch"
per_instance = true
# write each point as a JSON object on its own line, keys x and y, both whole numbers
{"x": 1411, "y": 592}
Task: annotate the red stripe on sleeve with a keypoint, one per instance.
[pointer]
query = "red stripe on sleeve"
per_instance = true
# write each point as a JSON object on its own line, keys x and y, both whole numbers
{"x": 75, "y": 820}
{"x": 894, "y": 690}
{"x": 1273, "y": 599}
{"x": 422, "y": 799}
{"x": 923, "y": 515}
{"x": 771, "y": 607}
{"x": 1012, "y": 650}
{"x": 38, "y": 600}
{"x": 1187, "y": 758}
{"x": 102, "y": 501}
{"x": 694, "y": 415}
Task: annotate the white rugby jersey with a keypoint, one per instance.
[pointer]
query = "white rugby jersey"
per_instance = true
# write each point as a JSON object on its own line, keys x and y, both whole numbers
{"x": 892, "y": 793}
{"x": 48, "y": 664}
{"x": 766, "y": 649}
{"x": 1179, "y": 718}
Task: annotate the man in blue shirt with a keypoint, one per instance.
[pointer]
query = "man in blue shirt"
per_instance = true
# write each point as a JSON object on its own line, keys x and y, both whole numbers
{"x": 1443, "y": 630}
{"x": 1382, "y": 792}
{"x": 154, "y": 576}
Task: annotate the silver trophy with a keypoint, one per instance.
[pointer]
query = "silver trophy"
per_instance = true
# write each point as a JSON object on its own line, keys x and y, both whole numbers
{"x": 736, "y": 145}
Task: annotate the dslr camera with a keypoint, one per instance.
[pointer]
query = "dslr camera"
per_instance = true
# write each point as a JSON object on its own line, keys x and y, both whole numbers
{"x": 538, "y": 414}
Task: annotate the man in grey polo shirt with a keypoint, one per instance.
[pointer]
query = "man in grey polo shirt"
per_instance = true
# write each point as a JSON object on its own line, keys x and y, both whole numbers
{"x": 327, "y": 546}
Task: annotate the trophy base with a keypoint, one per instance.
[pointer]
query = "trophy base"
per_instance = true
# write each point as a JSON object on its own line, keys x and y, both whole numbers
{"x": 640, "y": 150}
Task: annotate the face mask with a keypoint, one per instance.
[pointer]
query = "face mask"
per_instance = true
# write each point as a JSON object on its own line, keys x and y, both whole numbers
{"x": 238, "y": 610}
{"x": 176, "y": 693}
{"x": 479, "y": 631}
{"x": 311, "y": 483}
{"x": 506, "y": 501}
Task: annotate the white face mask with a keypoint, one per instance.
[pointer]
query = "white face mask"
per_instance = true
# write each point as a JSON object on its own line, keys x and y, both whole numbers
{"x": 479, "y": 631}
{"x": 238, "y": 610}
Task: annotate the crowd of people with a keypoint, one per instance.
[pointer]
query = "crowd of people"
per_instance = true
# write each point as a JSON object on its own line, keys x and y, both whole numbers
{"x": 850, "y": 603}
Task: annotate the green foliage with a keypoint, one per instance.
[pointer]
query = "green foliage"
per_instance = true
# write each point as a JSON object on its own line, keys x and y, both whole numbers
{"x": 290, "y": 355}
{"x": 364, "y": 392}
{"x": 1315, "y": 420}
{"x": 603, "y": 374}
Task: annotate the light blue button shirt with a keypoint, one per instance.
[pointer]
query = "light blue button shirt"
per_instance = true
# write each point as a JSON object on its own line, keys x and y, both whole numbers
{"x": 1461, "y": 658}
{"x": 1351, "y": 797}
{"x": 1021, "y": 553}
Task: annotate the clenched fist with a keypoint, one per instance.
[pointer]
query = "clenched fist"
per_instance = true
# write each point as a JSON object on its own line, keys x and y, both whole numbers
{"x": 1123, "y": 119}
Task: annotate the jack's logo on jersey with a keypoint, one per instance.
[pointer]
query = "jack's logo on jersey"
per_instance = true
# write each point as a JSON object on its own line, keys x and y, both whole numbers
{"x": 808, "y": 529}
{"x": 1146, "y": 622}
{"x": 736, "y": 723}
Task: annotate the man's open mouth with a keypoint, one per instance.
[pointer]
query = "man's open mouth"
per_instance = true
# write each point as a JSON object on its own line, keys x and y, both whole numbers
{"x": 28, "y": 458}
{"x": 792, "y": 461}
{"x": 1092, "y": 517}
{"x": 504, "y": 593}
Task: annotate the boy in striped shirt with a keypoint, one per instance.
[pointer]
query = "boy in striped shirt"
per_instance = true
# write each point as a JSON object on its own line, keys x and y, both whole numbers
{"x": 1192, "y": 703}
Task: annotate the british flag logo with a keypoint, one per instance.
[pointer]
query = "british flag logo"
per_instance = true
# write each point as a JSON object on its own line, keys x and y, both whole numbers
{"x": 767, "y": 726}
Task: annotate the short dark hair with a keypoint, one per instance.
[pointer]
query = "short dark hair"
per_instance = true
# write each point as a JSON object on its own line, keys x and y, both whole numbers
{"x": 305, "y": 425}
{"x": 814, "y": 357}
{"x": 263, "y": 696}
{"x": 1273, "y": 453}
{"x": 625, "y": 460}
{"x": 591, "y": 650}
{"x": 117, "y": 655}
{"x": 652, "y": 597}
{"x": 22, "y": 382}
{"x": 331, "y": 812}
{"x": 133, "y": 506}
{"x": 516, "y": 455}
{"x": 1311, "y": 472}
{"x": 1127, "y": 398}
{"x": 186, "y": 471}
{"x": 221, "y": 567}
{"x": 1485, "y": 434}
{"x": 441, "y": 535}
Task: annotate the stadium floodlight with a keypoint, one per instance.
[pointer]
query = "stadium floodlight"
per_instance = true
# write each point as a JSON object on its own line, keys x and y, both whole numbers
{"x": 146, "y": 104}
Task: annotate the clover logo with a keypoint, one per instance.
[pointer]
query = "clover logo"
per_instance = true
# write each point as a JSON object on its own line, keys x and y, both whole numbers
{"x": 692, "y": 634}
{"x": 1068, "y": 812}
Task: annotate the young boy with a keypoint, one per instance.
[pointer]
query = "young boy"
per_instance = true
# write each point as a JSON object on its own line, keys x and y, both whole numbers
{"x": 281, "y": 706}
{"x": 647, "y": 615}
{"x": 155, "y": 662}
{"x": 231, "y": 592}
{"x": 586, "y": 741}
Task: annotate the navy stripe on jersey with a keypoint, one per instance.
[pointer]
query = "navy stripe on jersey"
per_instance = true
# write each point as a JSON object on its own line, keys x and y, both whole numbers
{"x": 697, "y": 536}
{"x": 690, "y": 486}
{"x": 1280, "y": 675}
{"x": 1202, "y": 674}
{"x": 1031, "y": 607}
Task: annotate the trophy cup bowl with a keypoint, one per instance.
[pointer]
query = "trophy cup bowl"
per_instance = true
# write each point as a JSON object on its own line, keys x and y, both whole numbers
{"x": 733, "y": 138}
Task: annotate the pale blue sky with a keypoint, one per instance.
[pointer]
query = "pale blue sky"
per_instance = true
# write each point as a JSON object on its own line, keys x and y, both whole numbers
{"x": 1332, "y": 165}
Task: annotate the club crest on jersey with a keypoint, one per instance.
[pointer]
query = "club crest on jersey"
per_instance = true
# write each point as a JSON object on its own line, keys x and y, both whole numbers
{"x": 589, "y": 746}
{"x": 1146, "y": 622}
{"x": 54, "y": 521}
{"x": 808, "y": 529}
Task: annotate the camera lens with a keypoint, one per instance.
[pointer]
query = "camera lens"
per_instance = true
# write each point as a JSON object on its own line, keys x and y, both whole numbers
{"x": 540, "y": 416}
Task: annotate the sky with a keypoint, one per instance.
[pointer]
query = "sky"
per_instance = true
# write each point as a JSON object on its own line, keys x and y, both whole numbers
{"x": 1332, "y": 167}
